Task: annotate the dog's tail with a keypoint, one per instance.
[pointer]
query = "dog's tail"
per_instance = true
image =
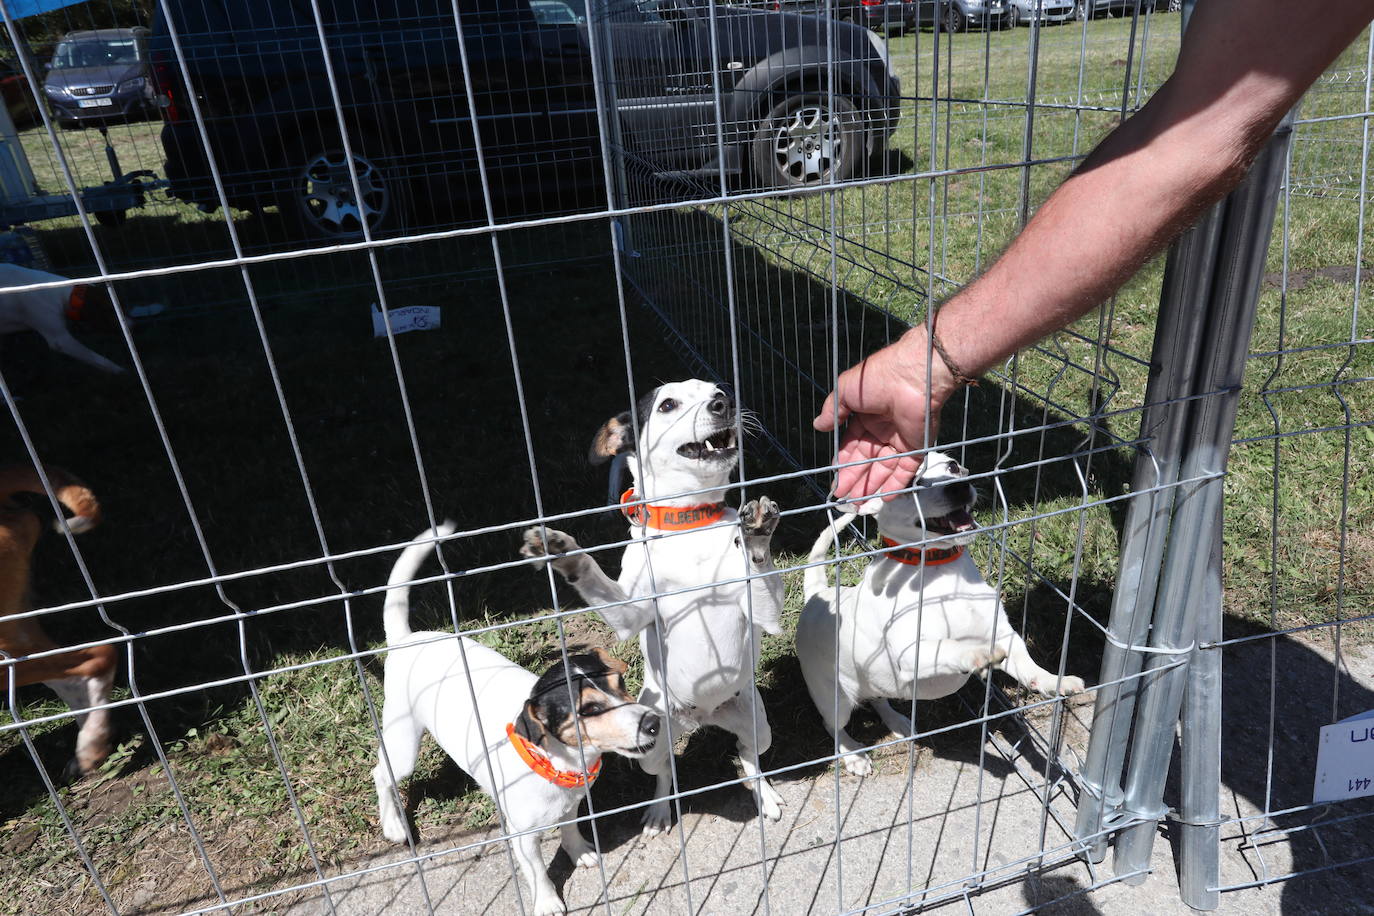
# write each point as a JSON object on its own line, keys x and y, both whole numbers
{"x": 70, "y": 492}
{"x": 816, "y": 580}
{"x": 396, "y": 612}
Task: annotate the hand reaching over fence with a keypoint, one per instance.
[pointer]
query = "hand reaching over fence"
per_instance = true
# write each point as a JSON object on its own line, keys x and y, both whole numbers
{"x": 1239, "y": 70}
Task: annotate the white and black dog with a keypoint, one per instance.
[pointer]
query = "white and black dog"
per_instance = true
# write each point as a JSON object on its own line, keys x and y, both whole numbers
{"x": 710, "y": 565}
{"x": 533, "y": 743}
{"x": 51, "y": 311}
{"x": 921, "y": 621}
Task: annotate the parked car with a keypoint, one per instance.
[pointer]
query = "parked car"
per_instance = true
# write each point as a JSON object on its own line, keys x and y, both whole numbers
{"x": 1026, "y": 11}
{"x": 273, "y": 128}
{"x": 1086, "y": 9}
{"x": 883, "y": 15}
{"x": 879, "y": 15}
{"x": 99, "y": 76}
{"x": 19, "y": 100}
{"x": 959, "y": 15}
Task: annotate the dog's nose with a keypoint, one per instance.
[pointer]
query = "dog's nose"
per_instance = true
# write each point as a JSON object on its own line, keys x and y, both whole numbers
{"x": 649, "y": 724}
{"x": 720, "y": 404}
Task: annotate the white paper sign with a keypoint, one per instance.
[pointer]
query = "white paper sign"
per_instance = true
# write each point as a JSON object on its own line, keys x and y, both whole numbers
{"x": 1345, "y": 759}
{"x": 410, "y": 318}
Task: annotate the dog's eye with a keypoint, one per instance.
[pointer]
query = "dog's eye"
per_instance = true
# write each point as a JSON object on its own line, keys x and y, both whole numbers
{"x": 591, "y": 709}
{"x": 668, "y": 405}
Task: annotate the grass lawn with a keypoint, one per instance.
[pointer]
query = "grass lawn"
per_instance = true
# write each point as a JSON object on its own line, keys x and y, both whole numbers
{"x": 896, "y": 245}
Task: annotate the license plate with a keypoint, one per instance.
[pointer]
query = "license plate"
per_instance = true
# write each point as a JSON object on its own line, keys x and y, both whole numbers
{"x": 93, "y": 103}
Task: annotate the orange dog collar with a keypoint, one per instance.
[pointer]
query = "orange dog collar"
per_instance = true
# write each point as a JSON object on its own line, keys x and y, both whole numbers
{"x": 670, "y": 518}
{"x": 76, "y": 303}
{"x": 931, "y": 556}
{"x": 537, "y": 760}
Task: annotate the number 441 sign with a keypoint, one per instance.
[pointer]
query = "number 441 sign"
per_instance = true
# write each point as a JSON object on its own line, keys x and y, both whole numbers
{"x": 1345, "y": 759}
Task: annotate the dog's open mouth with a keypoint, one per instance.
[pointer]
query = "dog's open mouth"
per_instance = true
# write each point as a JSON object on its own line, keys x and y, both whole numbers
{"x": 638, "y": 750}
{"x": 957, "y": 522}
{"x": 716, "y": 445}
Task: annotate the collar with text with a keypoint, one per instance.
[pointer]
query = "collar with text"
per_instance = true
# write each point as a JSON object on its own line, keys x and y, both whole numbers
{"x": 537, "y": 760}
{"x": 670, "y": 518}
{"x": 76, "y": 302}
{"x": 931, "y": 556}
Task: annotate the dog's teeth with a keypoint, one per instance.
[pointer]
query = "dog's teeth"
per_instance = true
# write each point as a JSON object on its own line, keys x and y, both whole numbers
{"x": 709, "y": 446}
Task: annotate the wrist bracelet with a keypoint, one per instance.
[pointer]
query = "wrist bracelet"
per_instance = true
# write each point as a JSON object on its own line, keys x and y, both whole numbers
{"x": 959, "y": 376}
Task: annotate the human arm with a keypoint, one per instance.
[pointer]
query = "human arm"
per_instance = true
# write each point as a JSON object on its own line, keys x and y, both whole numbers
{"x": 1240, "y": 68}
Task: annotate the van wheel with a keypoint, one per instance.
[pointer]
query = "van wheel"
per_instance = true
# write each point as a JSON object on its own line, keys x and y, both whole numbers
{"x": 319, "y": 198}
{"x": 807, "y": 140}
{"x": 953, "y": 20}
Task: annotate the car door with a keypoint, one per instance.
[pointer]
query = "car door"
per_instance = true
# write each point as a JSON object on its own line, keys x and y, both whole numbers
{"x": 664, "y": 83}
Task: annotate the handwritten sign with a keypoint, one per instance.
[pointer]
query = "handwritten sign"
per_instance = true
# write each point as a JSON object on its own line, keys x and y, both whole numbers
{"x": 410, "y": 318}
{"x": 1345, "y": 759}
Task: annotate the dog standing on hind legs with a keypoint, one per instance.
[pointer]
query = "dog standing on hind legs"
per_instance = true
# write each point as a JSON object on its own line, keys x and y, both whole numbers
{"x": 82, "y": 677}
{"x": 526, "y": 743}
{"x": 920, "y": 624}
{"x": 700, "y": 645}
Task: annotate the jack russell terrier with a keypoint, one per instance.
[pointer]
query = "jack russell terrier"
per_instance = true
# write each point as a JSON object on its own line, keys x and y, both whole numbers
{"x": 50, "y": 311}
{"x": 82, "y": 677}
{"x": 690, "y": 579}
{"x": 533, "y": 743}
{"x": 921, "y": 621}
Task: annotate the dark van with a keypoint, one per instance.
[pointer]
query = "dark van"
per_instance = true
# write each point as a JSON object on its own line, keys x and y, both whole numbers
{"x": 409, "y": 83}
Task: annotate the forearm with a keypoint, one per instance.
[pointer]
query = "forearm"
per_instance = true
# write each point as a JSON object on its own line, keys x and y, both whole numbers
{"x": 1147, "y": 182}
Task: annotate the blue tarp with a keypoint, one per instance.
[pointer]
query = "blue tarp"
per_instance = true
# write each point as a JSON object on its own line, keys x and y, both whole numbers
{"x": 18, "y": 9}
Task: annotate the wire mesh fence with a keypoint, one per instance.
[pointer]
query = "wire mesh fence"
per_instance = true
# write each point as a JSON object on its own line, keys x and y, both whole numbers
{"x": 378, "y": 265}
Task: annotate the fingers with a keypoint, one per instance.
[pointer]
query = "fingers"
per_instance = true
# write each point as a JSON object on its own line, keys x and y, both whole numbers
{"x": 888, "y": 477}
{"x": 826, "y": 420}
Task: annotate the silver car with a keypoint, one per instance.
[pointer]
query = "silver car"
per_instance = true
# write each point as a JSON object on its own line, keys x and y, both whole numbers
{"x": 1026, "y": 11}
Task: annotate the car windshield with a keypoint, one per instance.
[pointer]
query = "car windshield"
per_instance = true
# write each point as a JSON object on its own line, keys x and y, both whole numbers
{"x": 95, "y": 52}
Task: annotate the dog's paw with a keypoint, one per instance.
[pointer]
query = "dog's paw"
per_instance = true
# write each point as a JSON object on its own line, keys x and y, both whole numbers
{"x": 658, "y": 818}
{"x": 758, "y": 518}
{"x": 1050, "y": 686}
{"x": 536, "y": 546}
{"x": 587, "y": 858}
{"x": 857, "y": 765}
{"x": 549, "y": 905}
{"x": 769, "y": 801}
{"x": 393, "y": 826}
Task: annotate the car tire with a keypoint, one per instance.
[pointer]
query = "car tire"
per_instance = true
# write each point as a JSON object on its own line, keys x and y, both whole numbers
{"x": 808, "y": 140}
{"x": 953, "y": 20}
{"x": 317, "y": 199}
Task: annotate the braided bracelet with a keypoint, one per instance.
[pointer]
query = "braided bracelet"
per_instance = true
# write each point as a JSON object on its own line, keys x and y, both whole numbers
{"x": 959, "y": 376}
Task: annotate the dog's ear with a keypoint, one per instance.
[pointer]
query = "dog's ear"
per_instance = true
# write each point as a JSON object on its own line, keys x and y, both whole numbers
{"x": 610, "y": 661}
{"x": 615, "y": 436}
{"x": 529, "y": 725}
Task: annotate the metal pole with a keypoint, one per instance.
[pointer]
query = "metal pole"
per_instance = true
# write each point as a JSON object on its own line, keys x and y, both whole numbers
{"x": 1196, "y": 530}
{"x": 1187, "y": 278}
{"x": 1200, "y": 750}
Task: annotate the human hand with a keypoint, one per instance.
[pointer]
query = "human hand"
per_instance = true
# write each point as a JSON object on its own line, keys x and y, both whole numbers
{"x": 884, "y": 404}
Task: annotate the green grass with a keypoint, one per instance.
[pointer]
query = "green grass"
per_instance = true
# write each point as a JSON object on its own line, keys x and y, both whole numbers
{"x": 207, "y": 372}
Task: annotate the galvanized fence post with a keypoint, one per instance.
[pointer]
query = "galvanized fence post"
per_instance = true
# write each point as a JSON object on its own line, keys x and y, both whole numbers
{"x": 1187, "y": 276}
{"x": 1190, "y": 582}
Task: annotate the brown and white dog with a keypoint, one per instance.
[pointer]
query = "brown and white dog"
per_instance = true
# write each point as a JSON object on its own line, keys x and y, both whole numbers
{"x": 50, "y": 312}
{"x": 82, "y": 677}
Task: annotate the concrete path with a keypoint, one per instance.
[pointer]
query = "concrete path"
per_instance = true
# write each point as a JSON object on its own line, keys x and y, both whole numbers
{"x": 902, "y": 837}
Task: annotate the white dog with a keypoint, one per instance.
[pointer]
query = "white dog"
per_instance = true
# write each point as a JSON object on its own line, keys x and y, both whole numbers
{"x": 533, "y": 743}
{"x": 921, "y": 621}
{"x": 699, "y": 640}
{"x": 48, "y": 312}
